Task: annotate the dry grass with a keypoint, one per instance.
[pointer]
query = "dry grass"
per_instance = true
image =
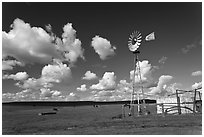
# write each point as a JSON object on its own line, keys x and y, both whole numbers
{"x": 88, "y": 120}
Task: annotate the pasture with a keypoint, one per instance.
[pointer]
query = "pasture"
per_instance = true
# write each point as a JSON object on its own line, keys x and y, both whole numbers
{"x": 89, "y": 120}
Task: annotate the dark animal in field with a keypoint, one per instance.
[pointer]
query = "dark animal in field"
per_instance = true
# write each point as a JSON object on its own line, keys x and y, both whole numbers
{"x": 95, "y": 106}
{"x": 148, "y": 113}
{"x": 55, "y": 109}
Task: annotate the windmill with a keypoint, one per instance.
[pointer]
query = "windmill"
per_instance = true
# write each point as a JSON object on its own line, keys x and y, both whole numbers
{"x": 134, "y": 42}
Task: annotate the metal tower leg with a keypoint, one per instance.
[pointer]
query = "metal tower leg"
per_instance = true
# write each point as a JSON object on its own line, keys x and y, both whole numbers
{"x": 194, "y": 101}
{"x": 141, "y": 86}
{"x": 133, "y": 89}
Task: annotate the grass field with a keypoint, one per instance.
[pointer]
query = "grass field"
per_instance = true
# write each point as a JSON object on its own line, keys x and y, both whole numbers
{"x": 87, "y": 120}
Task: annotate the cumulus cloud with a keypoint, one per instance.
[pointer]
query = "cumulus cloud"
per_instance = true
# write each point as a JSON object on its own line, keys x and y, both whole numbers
{"x": 29, "y": 94}
{"x": 72, "y": 97}
{"x": 197, "y": 85}
{"x": 197, "y": 73}
{"x": 146, "y": 70}
{"x": 163, "y": 80}
{"x": 34, "y": 84}
{"x": 124, "y": 86}
{"x": 70, "y": 45}
{"x": 34, "y": 45}
{"x": 106, "y": 83}
{"x": 7, "y": 97}
{"x": 89, "y": 75}
{"x": 18, "y": 76}
{"x": 103, "y": 47}
{"x": 19, "y": 96}
{"x": 123, "y": 90}
{"x": 161, "y": 88}
{"x": 54, "y": 73}
{"x": 162, "y": 60}
{"x": 10, "y": 64}
{"x": 23, "y": 95}
{"x": 28, "y": 44}
{"x": 47, "y": 93}
{"x": 82, "y": 88}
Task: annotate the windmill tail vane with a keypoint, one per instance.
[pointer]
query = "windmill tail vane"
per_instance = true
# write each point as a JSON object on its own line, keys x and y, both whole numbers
{"x": 150, "y": 37}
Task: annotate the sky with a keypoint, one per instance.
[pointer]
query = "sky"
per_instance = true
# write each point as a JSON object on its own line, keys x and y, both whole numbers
{"x": 79, "y": 51}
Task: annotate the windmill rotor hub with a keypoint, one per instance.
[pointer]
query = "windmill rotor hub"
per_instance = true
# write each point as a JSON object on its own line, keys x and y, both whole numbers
{"x": 135, "y": 40}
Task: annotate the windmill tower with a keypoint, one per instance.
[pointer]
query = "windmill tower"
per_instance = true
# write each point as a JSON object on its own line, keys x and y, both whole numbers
{"x": 135, "y": 40}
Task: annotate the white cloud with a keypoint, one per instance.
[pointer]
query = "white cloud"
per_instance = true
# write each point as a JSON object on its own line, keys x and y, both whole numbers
{"x": 70, "y": 44}
{"x": 89, "y": 75}
{"x": 8, "y": 97}
{"x": 197, "y": 73}
{"x": 162, "y": 87}
{"x": 29, "y": 94}
{"x": 34, "y": 45}
{"x": 47, "y": 93}
{"x": 26, "y": 94}
{"x": 72, "y": 97}
{"x": 197, "y": 85}
{"x": 162, "y": 60}
{"x": 18, "y": 76}
{"x": 106, "y": 83}
{"x": 124, "y": 86}
{"x": 82, "y": 88}
{"x": 146, "y": 73}
{"x": 102, "y": 47}
{"x": 28, "y": 44}
{"x": 123, "y": 90}
{"x": 56, "y": 93}
{"x": 40, "y": 88}
{"x": 34, "y": 84}
{"x": 163, "y": 80}
{"x": 55, "y": 72}
{"x": 9, "y": 64}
